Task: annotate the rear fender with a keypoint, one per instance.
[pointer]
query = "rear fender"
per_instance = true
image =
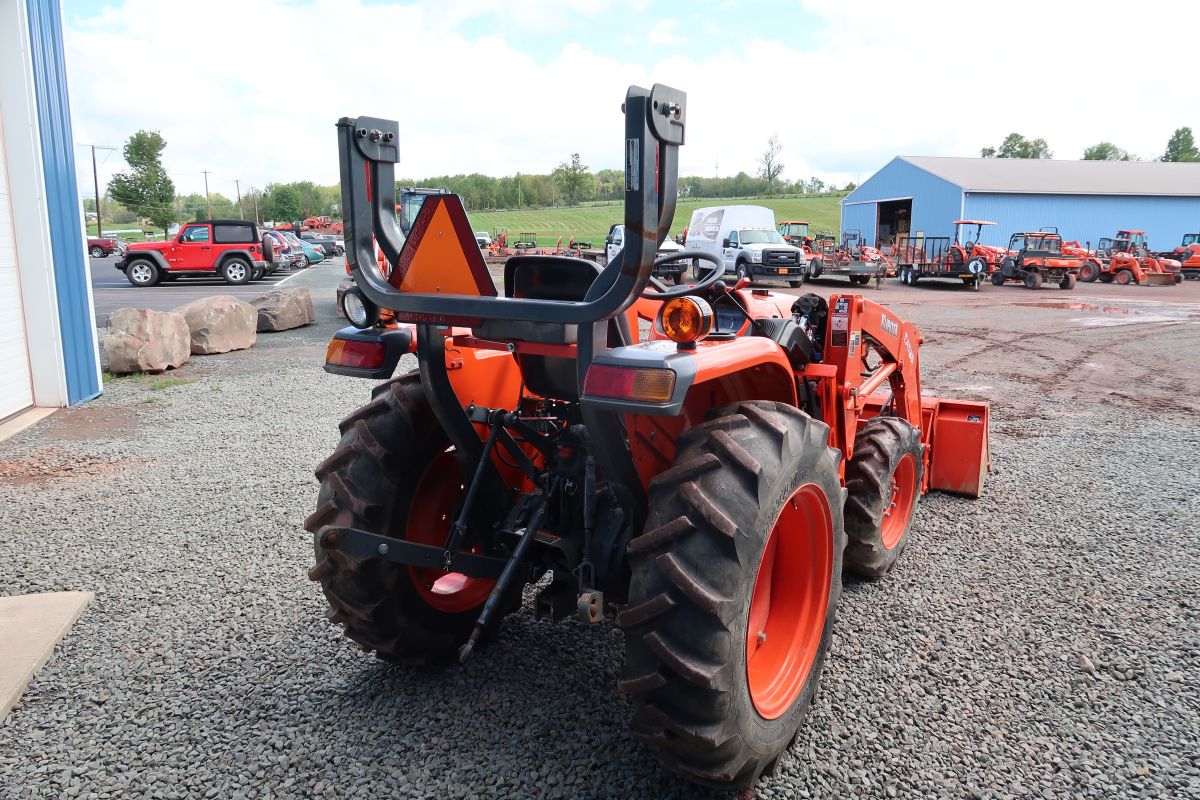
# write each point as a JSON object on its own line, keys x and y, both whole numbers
{"x": 715, "y": 374}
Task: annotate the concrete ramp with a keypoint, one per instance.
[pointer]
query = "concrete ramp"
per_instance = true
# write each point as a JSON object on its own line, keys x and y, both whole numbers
{"x": 30, "y": 626}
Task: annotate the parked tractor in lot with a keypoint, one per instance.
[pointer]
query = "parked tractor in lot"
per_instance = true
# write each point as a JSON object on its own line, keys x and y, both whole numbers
{"x": 1037, "y": 257}
{"x": 1124, "y": 259}
{"x": 1188, "y": 256}
{"x": 961, "y": 257}
{"x": 706, "y": 481}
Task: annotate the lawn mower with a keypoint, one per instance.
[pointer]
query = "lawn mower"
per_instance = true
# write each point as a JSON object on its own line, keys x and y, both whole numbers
{"x": 697, "y": 463}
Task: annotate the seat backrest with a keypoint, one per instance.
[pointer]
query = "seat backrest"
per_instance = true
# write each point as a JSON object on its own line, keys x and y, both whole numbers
{"x": 544, "y": 278}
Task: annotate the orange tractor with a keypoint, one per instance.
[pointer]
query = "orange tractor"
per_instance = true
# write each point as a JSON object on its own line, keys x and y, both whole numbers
{"x": 1187, "y": 255}
{"x": 1124, "y": 259}
{"x": 700, "y": 460}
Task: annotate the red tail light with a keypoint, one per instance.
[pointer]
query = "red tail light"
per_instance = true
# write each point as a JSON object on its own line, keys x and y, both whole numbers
{"x": 349, "y": 353}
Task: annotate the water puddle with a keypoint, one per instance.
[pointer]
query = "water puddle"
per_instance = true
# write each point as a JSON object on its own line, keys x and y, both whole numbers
{"x": 1121, "y": 313}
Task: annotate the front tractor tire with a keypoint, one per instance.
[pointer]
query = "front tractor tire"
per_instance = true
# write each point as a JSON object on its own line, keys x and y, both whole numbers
{"x": 734, "y": 589}
{"x": 393, "y": 474}
{"x": 883, "y": 483}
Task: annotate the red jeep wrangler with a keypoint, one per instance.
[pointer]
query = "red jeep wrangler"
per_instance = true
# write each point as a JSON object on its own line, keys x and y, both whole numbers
{"x": 230, "y": 248}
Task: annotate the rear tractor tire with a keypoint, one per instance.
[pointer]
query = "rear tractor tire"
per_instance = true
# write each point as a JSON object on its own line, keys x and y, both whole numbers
{"x": 393, "y": 474}
{"x": 734, "y": 589}
{"x": 883, "y": 484}
{"x": 1088, "y": 273}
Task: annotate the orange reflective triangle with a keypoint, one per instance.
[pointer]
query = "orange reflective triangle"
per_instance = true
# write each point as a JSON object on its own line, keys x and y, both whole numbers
{"x": 441, "y": 255}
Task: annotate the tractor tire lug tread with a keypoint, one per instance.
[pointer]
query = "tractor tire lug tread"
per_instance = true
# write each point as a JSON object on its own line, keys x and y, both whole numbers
{"x": 700, "y": 550}
{"x": 877, "y": 450}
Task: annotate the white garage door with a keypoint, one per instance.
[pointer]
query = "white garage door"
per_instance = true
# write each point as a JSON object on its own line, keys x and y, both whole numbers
{"x": 16, "y": 391}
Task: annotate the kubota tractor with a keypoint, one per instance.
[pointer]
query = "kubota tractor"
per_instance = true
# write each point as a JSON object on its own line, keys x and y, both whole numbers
{"x": 1188, "y": 256}
{"x": 701, "y": 460}
{"x": 1037, "y": 257}
{"x": 1125, "y": 259}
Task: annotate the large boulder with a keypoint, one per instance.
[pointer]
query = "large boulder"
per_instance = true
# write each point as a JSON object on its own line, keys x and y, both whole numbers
{"x": 141, "y": 340}
{"x": 220, "y": 324}
{"x": 284, "y": 309}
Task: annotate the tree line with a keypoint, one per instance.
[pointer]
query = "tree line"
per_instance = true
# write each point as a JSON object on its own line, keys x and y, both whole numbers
{"x": 1180, "y": 147}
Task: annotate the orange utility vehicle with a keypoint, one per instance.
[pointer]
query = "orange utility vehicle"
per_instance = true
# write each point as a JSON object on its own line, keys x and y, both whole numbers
{"x": 706, "y": 481}
{"x": 1037, "y": 257}
{"x": 1124, "y": 259}
{"x": 960, "y": 257}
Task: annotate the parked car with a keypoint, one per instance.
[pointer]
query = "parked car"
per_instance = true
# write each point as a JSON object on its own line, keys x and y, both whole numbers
{"x": 231, "y": 249}
{"x": 99, "y": 247}
{"x": 327, "y": 246}
{"x": 276, "y": 252}
{"x": 306, "y": 254}
{"x": 483, "y": 239}
{"x": 339, "y": 246}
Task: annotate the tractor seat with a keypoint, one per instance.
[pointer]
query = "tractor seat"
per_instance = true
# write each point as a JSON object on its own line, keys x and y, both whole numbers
{"x": 547, "y": 278}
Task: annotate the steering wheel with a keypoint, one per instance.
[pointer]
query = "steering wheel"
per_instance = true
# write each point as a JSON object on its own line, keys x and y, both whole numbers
{"x": 678, "y": 291}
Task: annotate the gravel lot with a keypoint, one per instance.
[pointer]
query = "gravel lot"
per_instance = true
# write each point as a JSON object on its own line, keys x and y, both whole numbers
{"x": 1042, "y": 641}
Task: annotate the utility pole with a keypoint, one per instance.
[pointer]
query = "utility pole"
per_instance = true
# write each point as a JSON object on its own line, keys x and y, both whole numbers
{"x": 96, "y": 184}
{"x": 254, "y": 194}
{"x": 207, "y": 201}
{"x": 238, "y": 185}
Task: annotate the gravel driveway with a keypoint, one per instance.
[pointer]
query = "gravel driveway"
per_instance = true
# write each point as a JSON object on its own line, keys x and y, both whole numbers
{"x": 1042, "y": 641}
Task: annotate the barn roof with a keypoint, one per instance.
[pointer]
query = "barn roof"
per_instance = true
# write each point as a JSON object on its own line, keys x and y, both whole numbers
{"x": 1052, "y": 176}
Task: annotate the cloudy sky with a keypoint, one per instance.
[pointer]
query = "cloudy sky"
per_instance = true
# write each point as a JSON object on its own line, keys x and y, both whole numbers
{"x": 251, "y": 89}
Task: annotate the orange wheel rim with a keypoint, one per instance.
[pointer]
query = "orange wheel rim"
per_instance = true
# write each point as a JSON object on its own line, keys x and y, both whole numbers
{"x": 790, "y": 601}
{"x": 434, "y": 505}
{"x": 899, "y": 501}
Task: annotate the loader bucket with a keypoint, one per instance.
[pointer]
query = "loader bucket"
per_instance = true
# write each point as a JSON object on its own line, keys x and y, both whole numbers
{"x": 955, "y": 434}
{"x": 958, "y": 442}
{"x": 1160, "y": 279}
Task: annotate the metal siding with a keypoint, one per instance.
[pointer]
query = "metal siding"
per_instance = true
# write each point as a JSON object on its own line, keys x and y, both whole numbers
{"x": 16, "y": 384}
{"x": 76, "y": 322}
{"x": 1087, "y": 218}
{"x": 862, "y": 216}
{"x": 936, "y": 202}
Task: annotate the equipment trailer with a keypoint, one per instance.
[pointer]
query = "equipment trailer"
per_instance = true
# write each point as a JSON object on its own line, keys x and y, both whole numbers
{"x": 706, "y": 482}
{"x": 960, "y": 257}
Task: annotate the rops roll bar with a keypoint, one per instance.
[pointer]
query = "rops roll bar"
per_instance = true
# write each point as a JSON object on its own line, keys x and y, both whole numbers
{"x": 654, "y": 130}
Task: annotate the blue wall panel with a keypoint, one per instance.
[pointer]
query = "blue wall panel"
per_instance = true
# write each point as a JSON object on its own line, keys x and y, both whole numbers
{"x": 861, "y": 216}
{"x": 1089, "y": 217}
{"x": 62, "y": 199}
{"x": 936, "y": 201}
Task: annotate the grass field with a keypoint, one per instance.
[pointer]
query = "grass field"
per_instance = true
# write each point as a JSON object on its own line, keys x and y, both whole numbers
{"x": 591, "y": 222}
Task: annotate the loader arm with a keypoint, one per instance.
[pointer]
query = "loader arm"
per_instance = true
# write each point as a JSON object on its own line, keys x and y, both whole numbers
{"x": 866, "y": 348}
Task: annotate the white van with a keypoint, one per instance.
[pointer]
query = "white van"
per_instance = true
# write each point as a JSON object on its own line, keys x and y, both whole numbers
{"x": 746, "y": 239}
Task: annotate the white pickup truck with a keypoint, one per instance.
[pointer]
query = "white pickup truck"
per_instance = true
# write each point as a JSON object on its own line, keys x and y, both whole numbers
{"x": 673, "y": 272}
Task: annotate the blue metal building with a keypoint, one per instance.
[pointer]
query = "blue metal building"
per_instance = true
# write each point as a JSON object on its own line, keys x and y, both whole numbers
{"x": 1085, "y": 200}
{"x": 48, "y": 350}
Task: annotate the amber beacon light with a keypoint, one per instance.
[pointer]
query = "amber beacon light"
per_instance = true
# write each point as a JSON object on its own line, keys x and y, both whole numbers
{"x": 686, "y": 319}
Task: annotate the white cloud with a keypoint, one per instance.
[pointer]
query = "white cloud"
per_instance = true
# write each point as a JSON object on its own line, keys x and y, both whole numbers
{"x": 879, "y": 79}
